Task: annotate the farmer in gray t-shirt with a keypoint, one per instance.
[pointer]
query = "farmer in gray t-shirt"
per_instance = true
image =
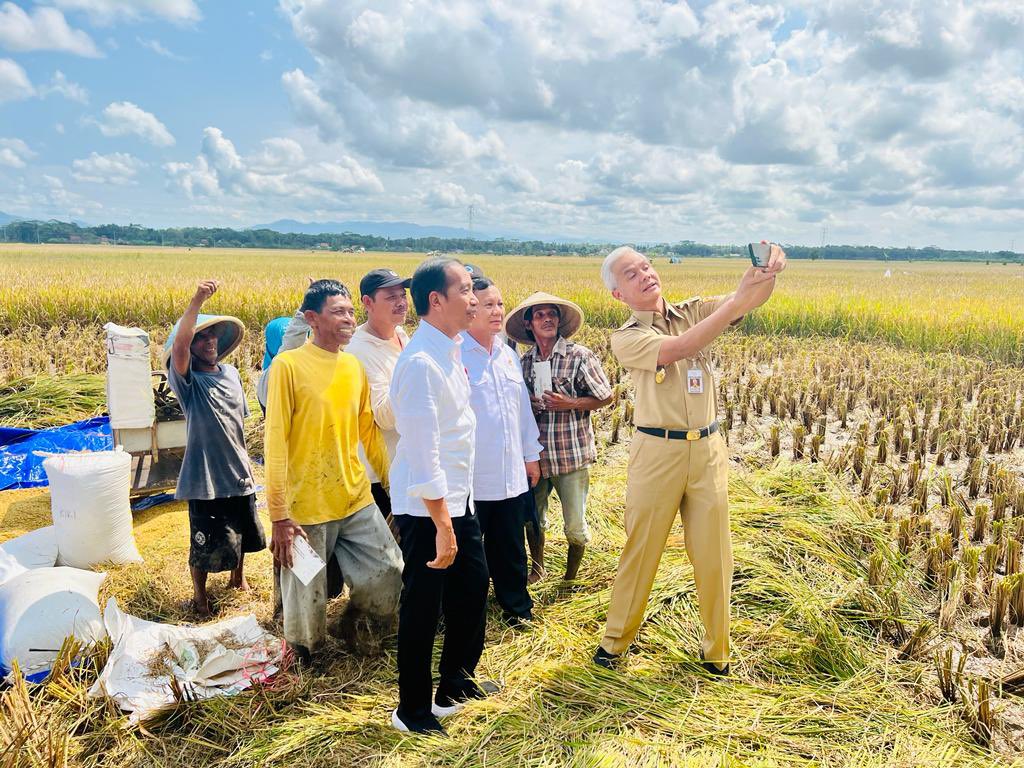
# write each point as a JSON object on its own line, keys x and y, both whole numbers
{"x": 216, "y": 477}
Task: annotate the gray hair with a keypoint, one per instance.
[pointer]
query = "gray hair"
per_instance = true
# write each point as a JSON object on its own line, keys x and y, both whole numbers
{"x": 611, "y": 260}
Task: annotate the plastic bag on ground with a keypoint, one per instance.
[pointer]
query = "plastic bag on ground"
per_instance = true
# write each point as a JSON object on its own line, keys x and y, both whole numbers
{"x": 220, "y": 659}
{"x": 91, "y": 511}
{"x": 35, "y": 549}
{"x": 42, "y": 607}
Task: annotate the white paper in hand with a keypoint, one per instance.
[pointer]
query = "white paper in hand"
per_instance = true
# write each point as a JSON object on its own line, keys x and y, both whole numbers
{"x": 305, "y": 562}
{"x": 541, "y": 378}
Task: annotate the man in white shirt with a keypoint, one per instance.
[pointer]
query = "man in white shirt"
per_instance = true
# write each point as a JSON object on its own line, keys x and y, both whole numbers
{"x": 377, "y": 344}
{"x": 507, "y": 450}
{"x": 431, "y": 482}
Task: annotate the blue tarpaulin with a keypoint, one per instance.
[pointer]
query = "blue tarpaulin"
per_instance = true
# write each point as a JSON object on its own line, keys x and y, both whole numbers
{"x": 20, "y": 467}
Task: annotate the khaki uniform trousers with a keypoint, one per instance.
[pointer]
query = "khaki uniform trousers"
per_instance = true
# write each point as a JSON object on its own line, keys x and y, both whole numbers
{"x": 665, "y": 477}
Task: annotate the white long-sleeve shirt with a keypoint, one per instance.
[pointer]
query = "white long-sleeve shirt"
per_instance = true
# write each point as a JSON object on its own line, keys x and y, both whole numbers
{"x": 506, "y": 430}
{"x": 379, "y": 357}
{"x": 435, "y": 423}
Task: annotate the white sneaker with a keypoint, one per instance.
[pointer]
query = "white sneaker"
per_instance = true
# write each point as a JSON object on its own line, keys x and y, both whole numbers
{"x": 438, "y": 711}
{"x": 397, "y": 724}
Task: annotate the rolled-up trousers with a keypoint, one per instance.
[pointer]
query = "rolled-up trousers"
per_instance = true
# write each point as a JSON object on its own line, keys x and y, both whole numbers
{"x": 665, "y": 478}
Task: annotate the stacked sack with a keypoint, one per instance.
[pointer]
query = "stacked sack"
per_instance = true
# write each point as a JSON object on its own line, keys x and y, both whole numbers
{"x": 46, "y": 593}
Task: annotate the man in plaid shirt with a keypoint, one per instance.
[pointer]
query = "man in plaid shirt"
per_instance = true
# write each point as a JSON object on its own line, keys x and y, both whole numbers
{"x": 578, "y": 386}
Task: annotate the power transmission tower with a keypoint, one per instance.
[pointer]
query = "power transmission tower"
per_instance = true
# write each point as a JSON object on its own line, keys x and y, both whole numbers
{"x": 471, "y": 219}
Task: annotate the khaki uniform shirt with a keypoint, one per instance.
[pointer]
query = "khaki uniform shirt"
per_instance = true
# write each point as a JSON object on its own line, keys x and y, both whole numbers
{"x": 668, "y": 404}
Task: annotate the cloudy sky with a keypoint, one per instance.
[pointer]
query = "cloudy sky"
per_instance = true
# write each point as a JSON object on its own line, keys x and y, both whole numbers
{"x": 892, "y": 122}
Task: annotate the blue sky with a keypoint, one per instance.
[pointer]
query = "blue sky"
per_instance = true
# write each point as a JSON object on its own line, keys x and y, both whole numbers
{"x": 889, "y": 123}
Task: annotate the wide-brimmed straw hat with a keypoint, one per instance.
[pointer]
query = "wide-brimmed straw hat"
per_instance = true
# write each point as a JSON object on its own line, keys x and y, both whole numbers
{"x": 230, "y": 331}
{"x": 571, "y": 319}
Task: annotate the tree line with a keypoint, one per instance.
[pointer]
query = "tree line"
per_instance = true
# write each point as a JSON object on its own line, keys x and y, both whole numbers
{"x": 59, "y": 232}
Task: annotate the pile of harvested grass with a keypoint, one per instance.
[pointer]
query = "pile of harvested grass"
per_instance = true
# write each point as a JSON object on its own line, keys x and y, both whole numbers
{"x": 49, "y": 401}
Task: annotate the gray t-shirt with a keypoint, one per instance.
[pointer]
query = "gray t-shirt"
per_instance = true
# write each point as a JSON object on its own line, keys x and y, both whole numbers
{"x": 216, "y": 464}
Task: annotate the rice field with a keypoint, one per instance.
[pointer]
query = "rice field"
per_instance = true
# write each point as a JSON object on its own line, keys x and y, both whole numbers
{"x": 53, "y": 292}
{"x": 876, "y": 428}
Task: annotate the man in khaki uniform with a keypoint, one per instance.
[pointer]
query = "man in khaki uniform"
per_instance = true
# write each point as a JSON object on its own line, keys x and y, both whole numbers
{"x": 677, "y": 461}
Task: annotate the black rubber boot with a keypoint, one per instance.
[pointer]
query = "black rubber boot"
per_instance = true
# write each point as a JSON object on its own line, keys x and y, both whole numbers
{"x": 572, "y": 561}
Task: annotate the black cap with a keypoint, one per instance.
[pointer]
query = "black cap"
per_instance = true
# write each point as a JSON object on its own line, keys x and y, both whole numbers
{"x": 376, "y": 279}
{"x": 474, "y": 271}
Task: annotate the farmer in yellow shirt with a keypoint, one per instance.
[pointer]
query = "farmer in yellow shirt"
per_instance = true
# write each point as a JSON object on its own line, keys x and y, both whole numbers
{"x": 318, "y": 412}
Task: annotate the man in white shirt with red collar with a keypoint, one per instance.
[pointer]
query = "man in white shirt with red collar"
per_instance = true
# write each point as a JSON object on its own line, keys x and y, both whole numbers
{"x": 431, "y": 487}
{"x": 377, "y": 343}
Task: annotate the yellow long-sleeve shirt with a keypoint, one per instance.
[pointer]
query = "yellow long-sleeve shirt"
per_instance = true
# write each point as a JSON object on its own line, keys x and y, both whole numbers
{"x": 318, "y": 411}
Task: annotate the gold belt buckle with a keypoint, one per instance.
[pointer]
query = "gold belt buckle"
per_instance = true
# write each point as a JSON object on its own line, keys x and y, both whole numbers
{"x": 693, "y": 434}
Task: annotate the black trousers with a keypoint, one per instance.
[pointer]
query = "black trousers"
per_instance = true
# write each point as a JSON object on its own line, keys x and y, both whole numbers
{"x": 501, "y": 524}
{"x": 460, "y": 593}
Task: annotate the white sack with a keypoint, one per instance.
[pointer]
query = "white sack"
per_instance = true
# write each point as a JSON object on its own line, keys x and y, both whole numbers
{"x": 42, "y": 607}
{"x": 35, "y": 549}
{"x": 91, "y": 512}
{"x": 139, "y": 685}
{"x": 129, "y": 380}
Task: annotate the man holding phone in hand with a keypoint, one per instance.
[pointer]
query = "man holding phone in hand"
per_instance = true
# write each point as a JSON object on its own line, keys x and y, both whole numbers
{"x": 431, "y": 487}
{"x": 678, "y": 460}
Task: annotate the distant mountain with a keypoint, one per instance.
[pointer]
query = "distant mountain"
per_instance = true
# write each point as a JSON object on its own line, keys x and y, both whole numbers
{"x": 392, "y": 229}
{"x": 6, "y": 218}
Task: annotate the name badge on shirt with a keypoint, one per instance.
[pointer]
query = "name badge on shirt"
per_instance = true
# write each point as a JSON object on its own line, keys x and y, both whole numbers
{"x": 695, "y": 381}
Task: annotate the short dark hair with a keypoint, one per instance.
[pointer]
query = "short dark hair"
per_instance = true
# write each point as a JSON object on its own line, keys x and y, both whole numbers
{"x": 319, "y": 291}
{"x": 482, "y": 283}
{"x": 431, "y": 275}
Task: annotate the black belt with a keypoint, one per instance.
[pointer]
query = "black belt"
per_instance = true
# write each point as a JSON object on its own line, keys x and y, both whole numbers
{"x": 680, "y": 434}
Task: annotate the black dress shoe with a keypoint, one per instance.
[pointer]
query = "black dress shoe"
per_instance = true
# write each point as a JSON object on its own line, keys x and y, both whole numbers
{"x": 714, "y": 669}
{"x": 604, "y": 659}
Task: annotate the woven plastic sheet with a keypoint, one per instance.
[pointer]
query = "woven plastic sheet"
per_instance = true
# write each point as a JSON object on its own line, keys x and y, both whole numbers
{"x": 21, "y": 465}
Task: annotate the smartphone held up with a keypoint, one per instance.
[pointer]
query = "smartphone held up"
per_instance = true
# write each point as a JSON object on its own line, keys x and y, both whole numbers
{"x": 759, "y": 253}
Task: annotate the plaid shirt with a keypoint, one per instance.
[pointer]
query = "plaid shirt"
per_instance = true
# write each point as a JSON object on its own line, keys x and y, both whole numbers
{"x": 568, "y": 436}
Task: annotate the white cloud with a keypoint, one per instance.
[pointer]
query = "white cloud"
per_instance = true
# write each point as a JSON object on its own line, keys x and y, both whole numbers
{"x": 310, "y": 106}
{"x": 515, "y": 178}
{"x": 122, "y": 118}
{"x": 281, "y": 169}
{"x": 343, "y": 176}
{"x": 655, "y": 119}
{"x": 61, "y": 202}
{"x": 60, "y": 85}
{"x": 158, "y": 48}
{"x": 14, "y": 153}
{"x": 14, "y": 83}
{"x": 450, "y": 195}
{"x": 45, "y": 29}
{"x": 116, "y": 168}
{"x": 107, "y": 11}
{"x": 403, "y": 132}
{"x": 279, "y": 153}
{"x": 675, "y": 119}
